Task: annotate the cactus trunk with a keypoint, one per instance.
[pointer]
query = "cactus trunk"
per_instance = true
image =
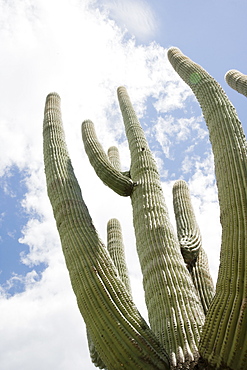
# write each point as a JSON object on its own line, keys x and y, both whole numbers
{"x": 175, "y": 313}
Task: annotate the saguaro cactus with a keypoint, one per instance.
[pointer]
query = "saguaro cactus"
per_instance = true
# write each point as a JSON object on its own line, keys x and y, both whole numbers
{"x": 173, "y": 288}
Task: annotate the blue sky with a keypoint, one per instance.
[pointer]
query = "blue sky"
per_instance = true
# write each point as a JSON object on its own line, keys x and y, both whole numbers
{"x": 84, "y": 50}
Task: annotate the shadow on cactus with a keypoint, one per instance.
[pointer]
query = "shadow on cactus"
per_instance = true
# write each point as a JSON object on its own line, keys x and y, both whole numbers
{"x": 191, "y": 326}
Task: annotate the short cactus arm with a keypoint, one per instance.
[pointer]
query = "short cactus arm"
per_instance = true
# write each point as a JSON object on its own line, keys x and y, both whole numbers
{"x": 175, "y": 313}
{"x": 237, "y": 81}
{"x": 121, "y": 336}
{"x": 114, "y": 158}
{"x": 190, "y": 240}
{"x": 110, "y": 176}
{"x": 224, "y": 340}
{"x": 115, "y": 248}
{"x": 189, "y": 235}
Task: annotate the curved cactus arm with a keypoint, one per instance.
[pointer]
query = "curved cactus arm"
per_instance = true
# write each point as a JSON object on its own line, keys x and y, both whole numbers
{"x": 111, "y": 177}
{"x": 190, "y": 240}
{"x": 115, "y": 248}
{"x": 224, "y": 339}
{"x": 237, "y": 81}
{"x": 175, "y": 312}
{"x": 121, "y": 336}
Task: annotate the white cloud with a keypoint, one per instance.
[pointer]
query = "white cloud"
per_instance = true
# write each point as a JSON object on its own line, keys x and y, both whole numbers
{"x": 42, "y": 327}
{"x": 134, "y": 16}
{"x": 170, "y": 131}
{"x": 175, "y": 95}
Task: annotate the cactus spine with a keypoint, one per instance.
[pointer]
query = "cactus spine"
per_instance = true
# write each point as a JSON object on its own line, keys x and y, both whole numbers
{"x": 173, "y": 292}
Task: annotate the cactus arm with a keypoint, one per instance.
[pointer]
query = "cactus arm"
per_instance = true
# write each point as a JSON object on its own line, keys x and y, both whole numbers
{"x": 175, "y": 313}
{"x": 237, "y": 81}
{"x": 110, "y": 176}
{"x": 190, "y": 240}
{"x": 224, "y": 339}
{"x": 115, "y": 248}
{"x": 121, "y": 336}
{"x": 114, "y": 158}
{"x": 189, "y": 235}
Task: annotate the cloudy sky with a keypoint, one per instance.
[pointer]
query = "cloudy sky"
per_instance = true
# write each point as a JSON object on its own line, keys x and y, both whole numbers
{"x": 84, "y": 50}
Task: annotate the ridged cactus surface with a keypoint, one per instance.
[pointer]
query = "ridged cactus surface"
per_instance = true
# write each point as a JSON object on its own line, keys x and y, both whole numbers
{"x": 165, "y": 277}
{"x": 176, "y": 279}
{"x": 237, "y": 81}
{"x": 190, "y": 240}
{"x": 224, "y": 335}
{"x": 121, "y": 336}
{"x": 115, "y": 248}
{"x": 106, "y": 171}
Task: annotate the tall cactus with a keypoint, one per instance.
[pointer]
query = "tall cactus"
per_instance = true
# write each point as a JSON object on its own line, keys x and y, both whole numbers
{"x": 165, "y": 277}
{"x": 120, "y": 335}
{"x": 224, "y": 335}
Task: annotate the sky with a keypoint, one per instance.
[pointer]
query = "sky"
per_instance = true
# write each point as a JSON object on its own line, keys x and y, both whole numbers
{"x": 84, "y": 50}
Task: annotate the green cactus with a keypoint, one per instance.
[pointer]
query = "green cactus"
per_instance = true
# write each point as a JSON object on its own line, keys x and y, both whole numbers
{"x": 237, "y": 80}
{"x": 190, "y": 240}
{"x": 116, "y": 250}
{"x": 175, "y": 291}
{"x": 165, "y": 277}
{"x": 224, "y": 337}
{"x": 121, "y": 336}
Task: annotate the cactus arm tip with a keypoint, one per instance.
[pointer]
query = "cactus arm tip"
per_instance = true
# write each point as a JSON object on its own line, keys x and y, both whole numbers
{"x": 237, "y": 81}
